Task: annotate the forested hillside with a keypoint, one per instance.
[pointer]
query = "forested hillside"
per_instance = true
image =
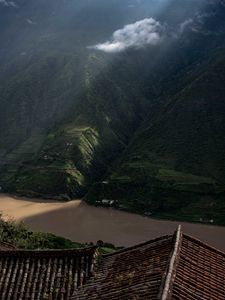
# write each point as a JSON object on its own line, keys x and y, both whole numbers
{"x": 174, "y": 166}
{"x": 118, "y": 100}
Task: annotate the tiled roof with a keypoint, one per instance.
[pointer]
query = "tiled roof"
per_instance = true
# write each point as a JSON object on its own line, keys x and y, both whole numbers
{"x": 177, "y": 267}
{"x": 200, "y": 272}
{"x": 44, "y": 274}
{"x": 174, "y": 267}
{"x": 6, "y": 246}
{"x": 134, "y": 273}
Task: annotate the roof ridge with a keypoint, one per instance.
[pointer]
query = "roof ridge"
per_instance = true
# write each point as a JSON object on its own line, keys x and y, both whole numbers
{"x": 48, "y": 252}
{"x": 165, "y": 293}
{"x": 137, "y": 246}
{"x": 206, "y": 245}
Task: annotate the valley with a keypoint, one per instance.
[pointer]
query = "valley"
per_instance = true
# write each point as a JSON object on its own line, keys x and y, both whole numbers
{"x": 112, "y": 149}
{"x": 115, "y": 100}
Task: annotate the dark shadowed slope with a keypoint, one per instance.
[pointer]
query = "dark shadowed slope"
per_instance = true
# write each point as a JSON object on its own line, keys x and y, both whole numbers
{"x": 175, "y": 164}
{"x": 68, "y": 112}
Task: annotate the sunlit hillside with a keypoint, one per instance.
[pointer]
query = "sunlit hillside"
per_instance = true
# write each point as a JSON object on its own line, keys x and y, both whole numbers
{"x": 120, "y": 100}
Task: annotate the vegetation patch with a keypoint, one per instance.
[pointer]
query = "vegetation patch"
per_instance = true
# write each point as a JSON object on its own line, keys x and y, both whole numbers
{"x": 20, "y": 235}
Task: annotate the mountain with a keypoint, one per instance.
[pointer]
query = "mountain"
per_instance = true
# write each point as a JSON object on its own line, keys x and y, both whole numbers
{"x": 115, "y": 99}
{"x": 174, "y": 165}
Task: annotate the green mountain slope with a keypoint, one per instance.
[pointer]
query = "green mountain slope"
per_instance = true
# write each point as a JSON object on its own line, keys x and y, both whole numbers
{"x": 174, "y": 166}
{"x": 66, "y": 158}
{"x": 143, "y": 126}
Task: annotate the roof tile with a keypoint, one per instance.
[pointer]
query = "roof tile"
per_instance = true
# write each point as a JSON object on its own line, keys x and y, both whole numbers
{"x": 44, "y": 274}
{"x": 174, "y": 267}
{"x": 133, "y": 273}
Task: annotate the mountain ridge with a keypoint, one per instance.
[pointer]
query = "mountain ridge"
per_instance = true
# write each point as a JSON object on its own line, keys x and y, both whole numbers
{"x": 73, "y": 117}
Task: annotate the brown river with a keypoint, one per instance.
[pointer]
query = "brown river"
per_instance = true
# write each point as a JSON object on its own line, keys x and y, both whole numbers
{"x": 83, "y": 223}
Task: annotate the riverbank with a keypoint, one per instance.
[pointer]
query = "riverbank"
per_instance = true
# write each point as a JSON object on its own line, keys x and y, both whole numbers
{"x": 82, "y": 223}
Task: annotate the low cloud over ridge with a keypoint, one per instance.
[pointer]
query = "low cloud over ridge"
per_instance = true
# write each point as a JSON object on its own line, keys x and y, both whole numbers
{"x": 145, "y": 32}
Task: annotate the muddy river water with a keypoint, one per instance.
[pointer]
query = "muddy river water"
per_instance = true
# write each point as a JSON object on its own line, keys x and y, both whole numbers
{"x": 83, "y": 223}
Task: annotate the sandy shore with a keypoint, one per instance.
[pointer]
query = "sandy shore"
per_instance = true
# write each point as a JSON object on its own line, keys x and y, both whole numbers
{"x": 83, "y": 223}
{"x": 21, "y": 208}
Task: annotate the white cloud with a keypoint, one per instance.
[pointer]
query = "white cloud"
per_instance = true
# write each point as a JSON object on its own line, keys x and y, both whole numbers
{"x": 136, "y": 35}
{"x": 185, "y": 25}
{"x": 29, "y": 21}
{"x": 195, "y": 24}
{"x": 8, "y": 3}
